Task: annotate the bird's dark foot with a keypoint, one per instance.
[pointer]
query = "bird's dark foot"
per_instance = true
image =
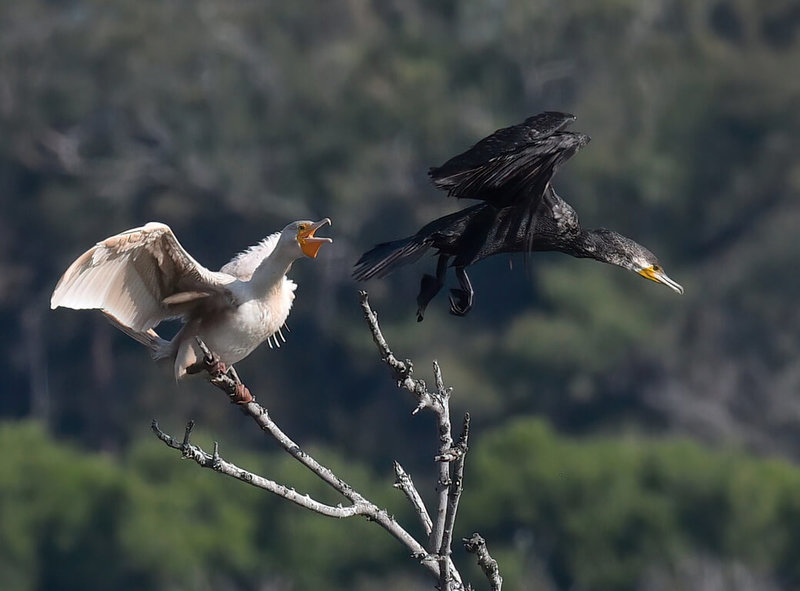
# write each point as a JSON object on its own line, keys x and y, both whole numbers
{"x": 210, "y": 363}
{"x": 214, "y": 365}
{"x": 461, "y": 299}
{"x": 242, "y": 395}
{"x": 460, "y": 302}
{"x": 428, "y": 288}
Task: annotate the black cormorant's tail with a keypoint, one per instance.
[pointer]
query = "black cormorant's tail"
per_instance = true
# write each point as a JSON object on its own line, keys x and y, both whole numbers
{"x": 387, "y": 256}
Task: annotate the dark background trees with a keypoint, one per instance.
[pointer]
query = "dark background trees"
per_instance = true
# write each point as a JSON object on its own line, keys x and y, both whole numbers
{"x": 228, "y": 119}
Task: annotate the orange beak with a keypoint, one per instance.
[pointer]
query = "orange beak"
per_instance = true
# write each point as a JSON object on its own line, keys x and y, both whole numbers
{"x": 309, "y": 243}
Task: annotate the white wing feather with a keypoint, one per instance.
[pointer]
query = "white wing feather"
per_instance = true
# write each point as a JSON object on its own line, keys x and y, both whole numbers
{"x": 129, "y": 275}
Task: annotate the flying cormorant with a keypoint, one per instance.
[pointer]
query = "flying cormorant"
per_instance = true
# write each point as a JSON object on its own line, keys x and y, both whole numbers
{"x": 143, "y": 276}
{"x": 510, "y": 173}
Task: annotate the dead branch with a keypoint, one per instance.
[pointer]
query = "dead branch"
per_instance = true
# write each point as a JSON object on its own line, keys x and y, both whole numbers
{"x": 436, "y": 558}
{"x": 230, "y": 383}
{"x": 218, "y": 464}
{"x": 475, "y": 544}
{"x": 404, "y": 483}
{"x": 439, "y": 545}
{"x": 442, "y": 410}
{"x": 401, "y": 370}
{"x": 457, "y": 455}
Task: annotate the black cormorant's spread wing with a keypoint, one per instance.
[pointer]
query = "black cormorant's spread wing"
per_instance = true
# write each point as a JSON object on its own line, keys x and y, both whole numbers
{"x": 514, "y": 164}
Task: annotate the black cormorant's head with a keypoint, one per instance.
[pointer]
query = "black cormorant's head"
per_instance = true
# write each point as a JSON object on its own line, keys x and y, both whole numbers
{"x": 616, "y": 249}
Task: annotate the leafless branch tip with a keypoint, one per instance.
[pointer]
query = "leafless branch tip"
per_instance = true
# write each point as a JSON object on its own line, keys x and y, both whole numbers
{"x": 475, "y": 544}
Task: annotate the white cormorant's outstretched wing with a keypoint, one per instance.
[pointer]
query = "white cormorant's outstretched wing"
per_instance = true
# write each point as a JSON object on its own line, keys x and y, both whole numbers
{"x": 141, "y": 277}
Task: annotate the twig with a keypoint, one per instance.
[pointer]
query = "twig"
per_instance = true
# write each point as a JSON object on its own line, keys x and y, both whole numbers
{"x": 459, "y": 455}
{"x": 218, "y": 464}
{"x": 445, "y": 445}
{"x": 404, "y": 483}
{"x": 401, "y": 370}
{"x": 477, "y": 545}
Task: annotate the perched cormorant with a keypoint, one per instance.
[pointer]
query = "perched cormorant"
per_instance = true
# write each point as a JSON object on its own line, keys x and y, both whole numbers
{"x": 143, "y": 276}
{"x": 510, "y": 173}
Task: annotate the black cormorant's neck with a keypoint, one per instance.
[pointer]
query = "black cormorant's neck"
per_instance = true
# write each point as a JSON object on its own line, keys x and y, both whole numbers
{"x": 601, "y": 245}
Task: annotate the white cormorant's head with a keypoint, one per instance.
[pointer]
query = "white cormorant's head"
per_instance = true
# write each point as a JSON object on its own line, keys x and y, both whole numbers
{"x": 300, "y": 235}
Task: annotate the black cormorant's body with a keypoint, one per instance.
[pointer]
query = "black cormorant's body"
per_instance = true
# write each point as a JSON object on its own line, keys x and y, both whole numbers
{"x": 510, "y": 173}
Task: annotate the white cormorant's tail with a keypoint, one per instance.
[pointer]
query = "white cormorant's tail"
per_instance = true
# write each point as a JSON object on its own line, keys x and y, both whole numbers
{"x": 159, "y": 348}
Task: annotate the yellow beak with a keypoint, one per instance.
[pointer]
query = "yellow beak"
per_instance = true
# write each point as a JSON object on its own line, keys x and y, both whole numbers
{"x": 657, "y": 274}
{"x": 309, "y": 243}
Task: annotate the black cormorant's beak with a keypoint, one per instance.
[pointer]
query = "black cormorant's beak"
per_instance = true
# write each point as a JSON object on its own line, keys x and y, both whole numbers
{"x": 309, "y": 243}
{"x": 656, "y": 273}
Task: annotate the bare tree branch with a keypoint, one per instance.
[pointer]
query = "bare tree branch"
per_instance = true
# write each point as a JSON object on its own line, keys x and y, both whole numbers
{"x": 401, "y": 370}
{"x": 445, "y": 443}
{"x": 229, "y": 382}
{"x": 437, "y": 557}
{"x": 404, "y": 483}
{"x": 475, "y": 544}
{"x": 218, "y": 464}
{"x": 439, "y": 403}
{"x": 457, "y": 454}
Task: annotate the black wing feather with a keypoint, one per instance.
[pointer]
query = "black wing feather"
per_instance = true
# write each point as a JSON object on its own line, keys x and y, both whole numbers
{"x": 504, "y": 141}
{"x": 509, "y": 176}
{"x": 512, "y": 165}
{"x": 511, "y": 168}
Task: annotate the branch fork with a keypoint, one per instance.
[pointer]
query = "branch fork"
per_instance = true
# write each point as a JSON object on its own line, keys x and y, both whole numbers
{"x": 435, "y": 554}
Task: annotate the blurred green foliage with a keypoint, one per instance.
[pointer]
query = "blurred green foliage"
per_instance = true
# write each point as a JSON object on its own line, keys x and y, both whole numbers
{"x": 602, "y": 509}
{"x": 73, "y": 520}
{"x": 588, "y": 513}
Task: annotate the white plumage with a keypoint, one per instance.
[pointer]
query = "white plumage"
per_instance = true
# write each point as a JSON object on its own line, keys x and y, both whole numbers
{"x": 143, "y": 276}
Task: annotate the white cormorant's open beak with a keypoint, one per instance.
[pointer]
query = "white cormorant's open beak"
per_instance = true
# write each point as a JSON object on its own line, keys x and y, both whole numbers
{"x": 309, "y": 243}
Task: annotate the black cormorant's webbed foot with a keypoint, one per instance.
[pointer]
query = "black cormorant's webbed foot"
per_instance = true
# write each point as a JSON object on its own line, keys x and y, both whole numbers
{"x": 461, "y": 299}
{"x": 430, "y": 286}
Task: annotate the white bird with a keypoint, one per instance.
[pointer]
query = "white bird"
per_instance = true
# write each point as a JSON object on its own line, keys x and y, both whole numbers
{"x": 143, "y": 276}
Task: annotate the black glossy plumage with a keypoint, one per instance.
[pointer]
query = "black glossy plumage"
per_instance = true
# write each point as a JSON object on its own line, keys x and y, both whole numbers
{"x": 510, "y": 173}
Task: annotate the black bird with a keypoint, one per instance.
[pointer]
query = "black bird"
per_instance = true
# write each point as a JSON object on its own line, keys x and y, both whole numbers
{"x": 510, "y": 173}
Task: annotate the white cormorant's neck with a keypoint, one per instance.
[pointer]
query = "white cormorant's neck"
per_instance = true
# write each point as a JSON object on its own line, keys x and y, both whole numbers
{"x": 271, "y": 270}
